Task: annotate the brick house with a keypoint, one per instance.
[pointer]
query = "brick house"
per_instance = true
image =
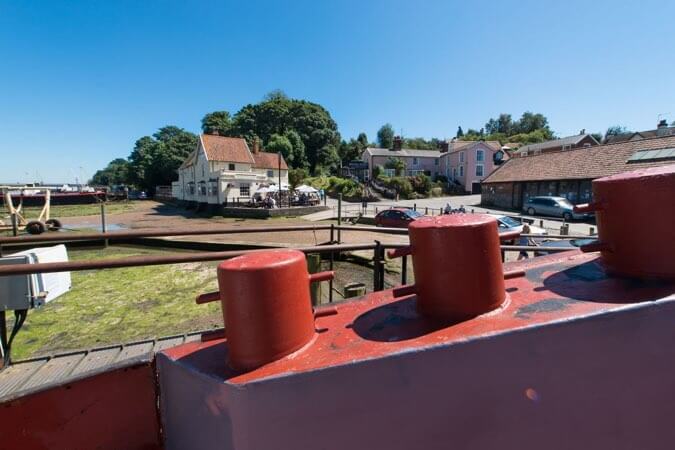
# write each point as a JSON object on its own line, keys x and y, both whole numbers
{"x": 569, "y": 173}
{"x": 583, "y": 140}
{"x": 223, "y": 168}
{"x": 467, "y": 163}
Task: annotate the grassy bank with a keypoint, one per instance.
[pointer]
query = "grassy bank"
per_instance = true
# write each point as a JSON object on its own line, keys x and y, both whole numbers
{"x": 121, "y": 305}
{"x": 59, "y": 211}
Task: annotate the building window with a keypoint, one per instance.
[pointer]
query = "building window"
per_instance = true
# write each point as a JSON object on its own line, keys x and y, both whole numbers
{"x": 479, "y": 170}
{"x": 230, "y": 166}
{"x": 202, "y": 188}
{"x": 244, "y": 190}
{"x": 270, "y": 173}
{"x": 191, "y": 188}
{"x": 414, "y": 161}
{"x": 213, "y": 188}
{"x": 461, "y": 171}
{"x": 203, "y": 171}
{"x": 461, "y": 157}
{"x": 389, "y": 172}
{"x": 480, "y": 155}
{"x": 454, "y": 173}
{"x": 436, "y": 162}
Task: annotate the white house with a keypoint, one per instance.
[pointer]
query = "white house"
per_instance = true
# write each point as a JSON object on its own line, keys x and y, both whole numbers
{"x": 223, "y": 169}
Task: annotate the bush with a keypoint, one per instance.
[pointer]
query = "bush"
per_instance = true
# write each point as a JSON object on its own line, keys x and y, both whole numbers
{"x": 336, "y": 185}
{"x": 377, "y": 171}
{"x": 421, "y": 184}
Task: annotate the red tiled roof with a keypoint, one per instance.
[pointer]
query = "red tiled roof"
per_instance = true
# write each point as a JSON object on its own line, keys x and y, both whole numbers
{"x": 221, "y": 148}
{"x": 265, "y": 160}
{"x": 580, "y": 163}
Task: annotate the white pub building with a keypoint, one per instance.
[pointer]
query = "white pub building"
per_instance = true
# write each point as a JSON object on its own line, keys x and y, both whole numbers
{"x": 223, "y": 169}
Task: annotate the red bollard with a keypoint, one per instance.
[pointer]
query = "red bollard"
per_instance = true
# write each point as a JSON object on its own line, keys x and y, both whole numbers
{"x": 266, "y": 305}
{"x": 457, "y": 265}
{"x": 635, "y": 213}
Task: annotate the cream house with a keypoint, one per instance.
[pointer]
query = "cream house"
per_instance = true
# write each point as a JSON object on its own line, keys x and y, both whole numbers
{"x": 223, "y": 169}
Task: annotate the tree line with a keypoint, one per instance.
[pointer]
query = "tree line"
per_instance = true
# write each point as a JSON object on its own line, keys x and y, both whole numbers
{"x": 304, "y": 132}
{"x": 306, "y": 135}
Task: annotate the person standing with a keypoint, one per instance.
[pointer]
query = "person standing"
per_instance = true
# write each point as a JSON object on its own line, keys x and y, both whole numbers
{"x": 524, "y": 240}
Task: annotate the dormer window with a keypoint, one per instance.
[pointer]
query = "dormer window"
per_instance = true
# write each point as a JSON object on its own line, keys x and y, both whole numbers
{"x": 230, "y": 166}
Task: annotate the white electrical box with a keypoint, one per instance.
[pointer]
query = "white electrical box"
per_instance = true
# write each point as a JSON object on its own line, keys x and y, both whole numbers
{"x": 32, "y": 291}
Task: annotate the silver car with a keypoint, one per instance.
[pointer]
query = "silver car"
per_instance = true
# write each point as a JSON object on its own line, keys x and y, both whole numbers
{"x": 507, "y": 223}
{"x": 552, "y": 206}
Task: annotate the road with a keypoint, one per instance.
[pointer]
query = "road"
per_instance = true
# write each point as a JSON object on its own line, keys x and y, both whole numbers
{"x": 470, "y": 203}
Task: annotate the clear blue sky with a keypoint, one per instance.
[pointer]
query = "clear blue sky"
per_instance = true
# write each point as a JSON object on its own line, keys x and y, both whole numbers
{"x": 80, "y": 81}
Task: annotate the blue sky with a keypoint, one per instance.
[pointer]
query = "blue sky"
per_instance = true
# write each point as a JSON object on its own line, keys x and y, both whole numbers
{"x": 80, "y": 81}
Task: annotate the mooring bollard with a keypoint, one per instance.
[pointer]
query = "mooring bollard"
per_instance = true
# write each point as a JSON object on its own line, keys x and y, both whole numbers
{"x": 414, "y": 206}
{"x": 426, "y": 210}
{"x": 541, "y": 223}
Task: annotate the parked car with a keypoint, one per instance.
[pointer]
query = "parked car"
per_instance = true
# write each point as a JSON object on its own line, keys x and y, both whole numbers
{"x": 562, "y": 243}
{"x": 396, "y": 217}
{"x": 507, "y": 223}
{"x": 552, "y": 206}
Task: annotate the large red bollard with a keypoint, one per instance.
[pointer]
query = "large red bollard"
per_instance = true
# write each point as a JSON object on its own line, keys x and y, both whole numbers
{"x": 266, "y": 305}
{"x": 635, "y": 212}
{"x": 457, "y": 265}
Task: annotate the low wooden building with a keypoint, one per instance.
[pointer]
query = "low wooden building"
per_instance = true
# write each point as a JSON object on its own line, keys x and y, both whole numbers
{"x": 569, "y": 173}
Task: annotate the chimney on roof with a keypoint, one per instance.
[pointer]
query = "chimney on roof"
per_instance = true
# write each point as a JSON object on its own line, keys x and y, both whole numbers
{"x": 398, "y": 143}
{"x": 444, "y": 146}
{"x": 662, "y": 129}
{"x": 256, "y": 146}
{"x": 583, "y": 131}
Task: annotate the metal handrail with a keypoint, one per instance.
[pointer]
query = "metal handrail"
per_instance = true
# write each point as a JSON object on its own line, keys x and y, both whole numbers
{"x": 126, "y": 234}
{"x": 175, "y": 258}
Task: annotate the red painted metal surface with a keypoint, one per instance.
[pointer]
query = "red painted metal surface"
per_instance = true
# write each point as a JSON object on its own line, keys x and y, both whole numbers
{"x": 636, "y": 222}
{"x": 379, "y": 374}
{"x": 108, "y": 411}
{"x": 457, "y": 265}
{"x": 266, "y": 305}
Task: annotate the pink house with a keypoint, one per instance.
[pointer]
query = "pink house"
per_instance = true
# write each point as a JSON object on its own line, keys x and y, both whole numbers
{"x": 467, "y": 163}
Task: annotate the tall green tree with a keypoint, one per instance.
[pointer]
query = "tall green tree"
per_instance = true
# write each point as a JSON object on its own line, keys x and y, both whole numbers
{"x": 116, "y": 172}
{"x": 385, "y": 136}
{"x": 217, "y": 122}
{"x": 279, "y": 114}
{"x": 362, "y": 140}
{"x": 299, "y": 156}
{"x": 530, "y": 122}
{"x": 328, "y": 160}
{"x": 155, "y": 160}
{"x": 281, "y": 144}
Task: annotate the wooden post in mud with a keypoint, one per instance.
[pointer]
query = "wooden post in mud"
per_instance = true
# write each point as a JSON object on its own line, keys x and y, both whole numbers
{"x": 314, "y": 266}
{"x": 103, "y": 226}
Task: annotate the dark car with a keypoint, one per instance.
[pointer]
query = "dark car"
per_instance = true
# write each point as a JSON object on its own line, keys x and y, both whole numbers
{"x": 396, "y": 217}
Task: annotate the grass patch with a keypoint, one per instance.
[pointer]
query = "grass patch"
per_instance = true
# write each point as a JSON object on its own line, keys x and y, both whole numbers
{"x": 121, "y": 305}
{"x": 93, "y": 209}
